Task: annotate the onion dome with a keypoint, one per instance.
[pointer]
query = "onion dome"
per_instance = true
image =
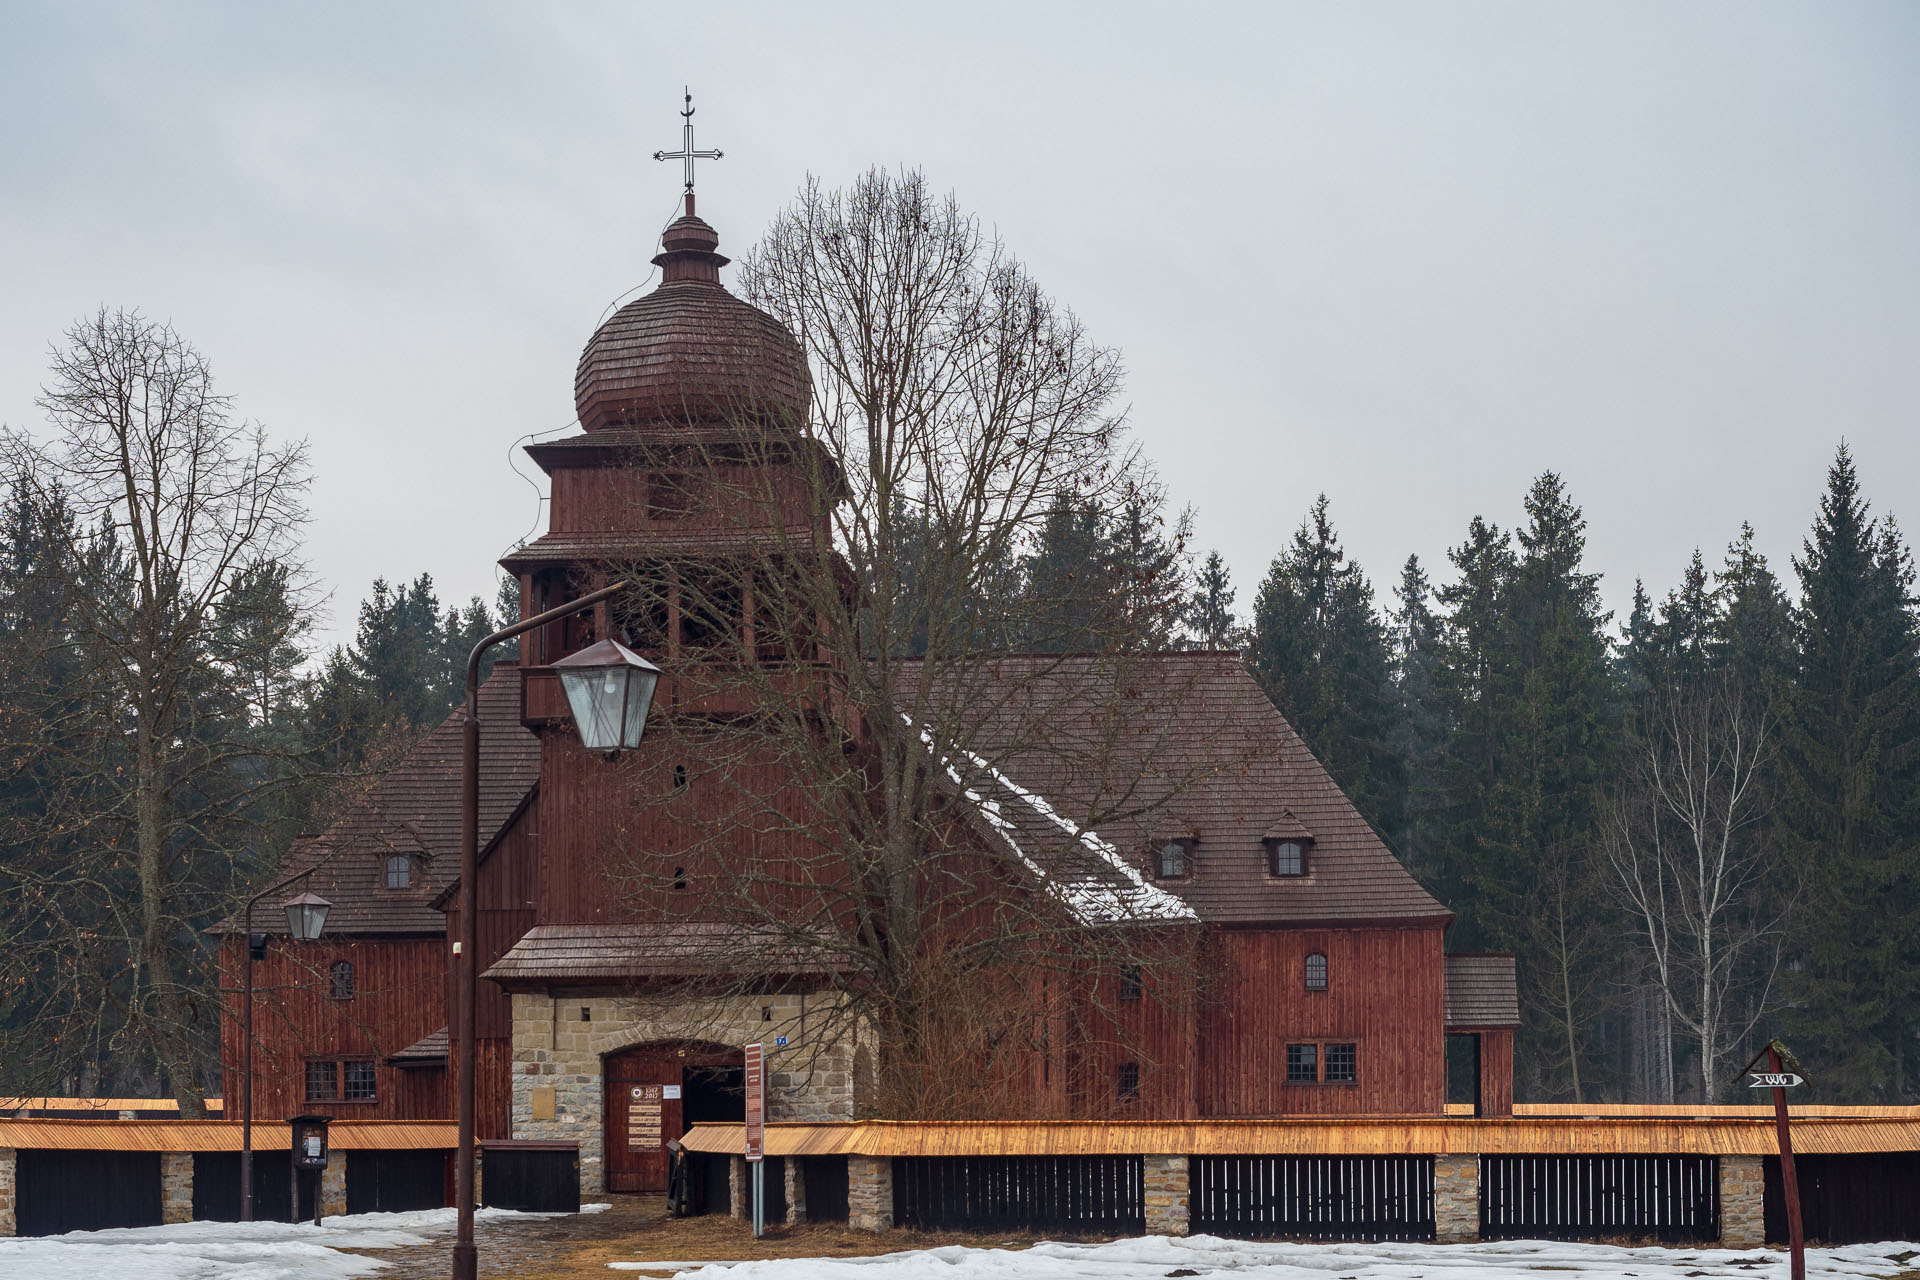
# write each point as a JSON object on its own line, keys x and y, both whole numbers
{"x": 689, "y": 352}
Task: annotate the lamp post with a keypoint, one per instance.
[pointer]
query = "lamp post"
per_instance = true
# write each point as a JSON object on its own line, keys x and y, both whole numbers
{"x": 306, "y": 917}
{"x": 609, "y": 689}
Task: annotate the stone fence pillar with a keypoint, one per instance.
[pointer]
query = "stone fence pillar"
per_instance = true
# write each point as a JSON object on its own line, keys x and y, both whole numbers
{"x": 796, "y": 1187}
{"x": 9, "y": 1167}
{"x": 1169, "y": 1206}
{"x": 176, "y": 1187}
{"x": 333, "y": 1184}
{"x": 1456, "y": 1198}
{"x": 739, "y": 1189}
{"x": 1743, "y": 1202}
{"x": 870, "y": 1193}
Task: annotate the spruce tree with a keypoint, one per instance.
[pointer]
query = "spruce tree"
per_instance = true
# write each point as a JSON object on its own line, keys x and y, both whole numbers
{"x": 1148, "y": 569}
{"x": 1066, "y": 581}
{"x": 1850, "y": 729}
{"x": 1414, "y": 636}
{"x": 1209, "y": 615}
{"x": 1753, "y": 632}
{"x": 1472, "y": 654}
{"x": 1526, "y": 684}
{"x": 1558, "y": 722}
{"x": 1319, "y": 649}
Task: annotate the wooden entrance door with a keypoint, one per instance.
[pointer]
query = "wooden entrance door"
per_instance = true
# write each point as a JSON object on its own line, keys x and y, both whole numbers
{"x": 642, "y": 1114}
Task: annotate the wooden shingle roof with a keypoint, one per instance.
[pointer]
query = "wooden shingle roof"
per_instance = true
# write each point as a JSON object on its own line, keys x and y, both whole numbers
{"x": 689, "y": 352}
{"x": 1125, "y": 746}
{"x": 1481, "y": 991}
{"x": 415, "y": 811}
{"x": 624, "y": 952}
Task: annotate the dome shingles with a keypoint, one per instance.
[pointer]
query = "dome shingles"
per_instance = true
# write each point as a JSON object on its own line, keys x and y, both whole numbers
{"x": 689, "y": 352}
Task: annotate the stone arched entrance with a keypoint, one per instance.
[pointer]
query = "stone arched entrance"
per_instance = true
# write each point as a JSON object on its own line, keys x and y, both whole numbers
{"x": 653, "y": 1092}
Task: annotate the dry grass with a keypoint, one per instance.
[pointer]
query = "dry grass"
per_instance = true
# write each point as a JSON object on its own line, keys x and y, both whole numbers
{"x": 720, "y": 1239}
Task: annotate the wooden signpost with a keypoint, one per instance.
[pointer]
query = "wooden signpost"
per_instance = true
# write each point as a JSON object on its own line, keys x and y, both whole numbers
{"x": 756, "y": 1062}
{"x": 1777, "y": 1078}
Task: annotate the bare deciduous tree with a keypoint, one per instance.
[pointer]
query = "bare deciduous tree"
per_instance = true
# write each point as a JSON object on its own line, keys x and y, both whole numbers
{"x": 182, "y": 513}
{"x": 1685, "y": 839}
{"x": 864, "y": 810}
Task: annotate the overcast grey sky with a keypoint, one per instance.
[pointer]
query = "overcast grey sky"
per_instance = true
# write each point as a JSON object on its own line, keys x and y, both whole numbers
{"x": 1407, "y": 254}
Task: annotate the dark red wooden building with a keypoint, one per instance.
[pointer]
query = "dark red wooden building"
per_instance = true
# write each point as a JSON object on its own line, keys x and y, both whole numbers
{"x": 1330, "y": 990}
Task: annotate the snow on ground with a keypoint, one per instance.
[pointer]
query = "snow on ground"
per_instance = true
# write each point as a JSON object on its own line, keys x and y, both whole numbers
{"x": 1153, "y": 1257}
{"x": 231, "y": 1250}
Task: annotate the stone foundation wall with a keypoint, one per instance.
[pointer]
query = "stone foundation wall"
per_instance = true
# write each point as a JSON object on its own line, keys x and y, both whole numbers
{"x": 9, "y": 1167}
{"x": 870, "y": 1193}
{"x": 1456, "y": 1198}
{"x": 1169, "y": 1205}
{"x": 1743, "y": 1204}
{"x": 176, "y": 1187}
{"x": 739, "y": 1189}
{"x": 554, "y": 1048}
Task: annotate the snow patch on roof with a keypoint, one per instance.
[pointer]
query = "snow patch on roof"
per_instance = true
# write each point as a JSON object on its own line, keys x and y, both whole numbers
{"x": 1121, "y": 895}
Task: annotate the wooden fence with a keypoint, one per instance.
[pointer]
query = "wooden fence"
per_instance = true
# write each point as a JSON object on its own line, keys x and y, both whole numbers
{"x": 1313, "y": 1197}
{"x": 1849, "y": 1199}
{"x": 1076, "y": 1195}
{"x": 1673, "y": 1199}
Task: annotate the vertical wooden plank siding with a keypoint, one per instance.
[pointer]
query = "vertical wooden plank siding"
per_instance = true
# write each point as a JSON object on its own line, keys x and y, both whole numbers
{"x": 398, "y": 986}
{"x": 1496, "y": 1072}
{"x": 1385, "y": 994}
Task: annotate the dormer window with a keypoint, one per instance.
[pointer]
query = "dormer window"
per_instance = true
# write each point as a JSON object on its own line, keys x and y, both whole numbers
{"x": 1173, "y": 860}
{"x": 399, "y": 871}
{"x": 1289, "y": 846}
{"x": 1289, "y": 857}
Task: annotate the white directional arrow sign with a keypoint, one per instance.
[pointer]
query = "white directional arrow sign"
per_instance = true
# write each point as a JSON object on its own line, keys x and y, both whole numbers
{"x": 1773, "y": 1080}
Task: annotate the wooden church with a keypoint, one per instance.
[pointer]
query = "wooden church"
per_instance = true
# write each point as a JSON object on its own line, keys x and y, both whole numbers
{"x": 1324, "y": 985}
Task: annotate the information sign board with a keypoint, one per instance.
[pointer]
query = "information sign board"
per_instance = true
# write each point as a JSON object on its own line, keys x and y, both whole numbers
{"x": 756, "y": 1101}
{"x": 643, "y": 1118}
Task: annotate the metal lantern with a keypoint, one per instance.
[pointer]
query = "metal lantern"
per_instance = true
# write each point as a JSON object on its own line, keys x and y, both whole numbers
{"x": 306, "y": 916}
{"x": 610, "y": 689}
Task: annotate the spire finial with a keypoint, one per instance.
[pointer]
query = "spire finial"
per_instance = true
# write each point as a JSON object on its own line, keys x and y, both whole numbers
{"x": 686, "y": 153}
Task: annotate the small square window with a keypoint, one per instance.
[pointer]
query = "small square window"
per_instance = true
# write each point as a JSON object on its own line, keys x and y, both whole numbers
{"x": 323, "y": 1082}
{"x": 1129, "y": 1082}
{"x": 359, "y": 1081}
{"x": 1172, "y": 863}
{"x": 1303, "y": 1063}
{"x": 1341, "y": 1063}
{"x": 1130, "y": 984}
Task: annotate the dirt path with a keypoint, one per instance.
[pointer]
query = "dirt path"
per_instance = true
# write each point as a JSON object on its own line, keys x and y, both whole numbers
{"x": 636, "y": 1229}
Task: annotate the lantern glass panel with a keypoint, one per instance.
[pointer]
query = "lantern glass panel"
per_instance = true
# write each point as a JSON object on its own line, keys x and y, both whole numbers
{"x": 306, "y": 917}
{"x": 609, "y": 690}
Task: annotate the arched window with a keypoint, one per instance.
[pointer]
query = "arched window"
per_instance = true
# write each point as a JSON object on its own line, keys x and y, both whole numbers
{"x": 399, "y": 871}
{"x": 340, "y": 979}
{"x": 1316, "y": 972}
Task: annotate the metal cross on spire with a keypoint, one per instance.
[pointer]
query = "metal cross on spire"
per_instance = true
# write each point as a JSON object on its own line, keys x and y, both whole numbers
{"x": 686, "y": 153}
